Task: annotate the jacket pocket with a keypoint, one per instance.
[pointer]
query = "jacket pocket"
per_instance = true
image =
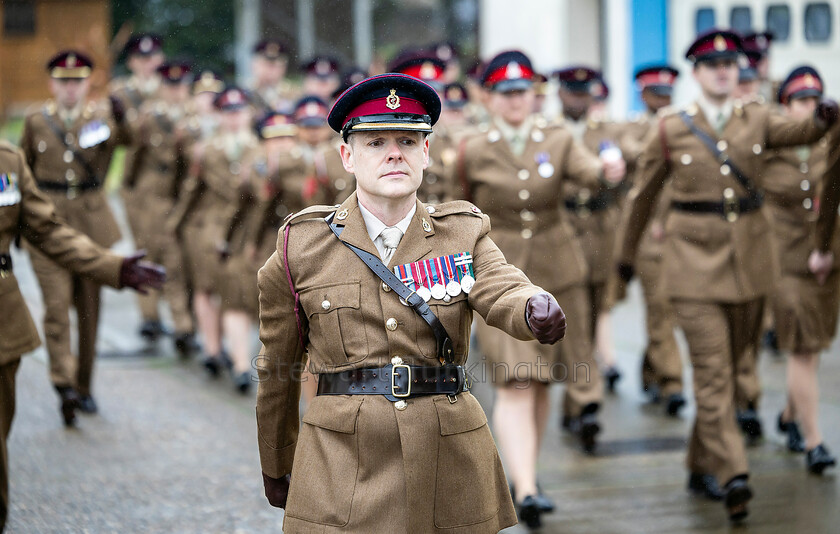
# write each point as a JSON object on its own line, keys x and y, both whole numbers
{"x": 336, "y": 328}
{"x": 326, "y": 461}
{"x": 453, "y": 317}
{"x": 470, "y": 478}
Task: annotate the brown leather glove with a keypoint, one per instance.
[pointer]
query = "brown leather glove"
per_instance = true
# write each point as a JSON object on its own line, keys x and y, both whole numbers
{"x": 545, "y": 318}
{"x": 276, "y": 490}
{"x": 141, "y": 275}
{"x": 626, "y": 272}
{"x": 828, "y": 112}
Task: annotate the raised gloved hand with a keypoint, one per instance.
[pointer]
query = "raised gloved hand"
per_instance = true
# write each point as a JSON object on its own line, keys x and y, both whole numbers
{"x": 820, "y": 265}
{"x": 141, "y": 275}
{"x": 626, "y": 272}
{"x": 828, "y": 112}
{"x": 545, "y": 318}
{"x": 276, "y": 490}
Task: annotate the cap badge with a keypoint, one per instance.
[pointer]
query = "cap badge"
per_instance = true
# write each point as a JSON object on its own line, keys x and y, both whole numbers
{"x": 146, "y": 45}
{"x": 427, "y": 71}
{"x": 272, "y": 49}
{"x": 322, "y": 67}
{"x": 234, "y": 97}
{"x": 71, "y": 61}
{"x": 809, "y": 80}
{"x": 175, "y": 72}
{"x": 392, "y": 101}
{"x": 720, "y": 43}
{"x": 761, "y": 41}
{"x": 513, "y": 71}
{"x": 580, "y": 75}
{"x": 311, "y": 109}
{"x": 453, "y": 94}
{"x": 444, "y": 52}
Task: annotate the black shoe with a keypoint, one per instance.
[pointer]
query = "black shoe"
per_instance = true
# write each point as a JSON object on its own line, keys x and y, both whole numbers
{"x": 795, "y": 441}
{"x": 213, "y": 365}
{"x": 676, "y": 401}
{"x": 705, "y": 486}
{"x": 87, "y": 405}
{"x": 69, "y": 403}
{"x": 737, "y": 495}
{"x": 770, "y": 341}
{"x": 566, "y": 422}
{"x": 585, "y": 426}
{"x": 653, "y": 393}
{"x": 750, "y": 424}
{"x": 242, "y": 382}
{"x": 185, "y": 345}
{"x": 819, "y": 459}
{"x": 152, "y": 330}
{"x": 612, "y": 375}
{"x": 543, "y": 502}
{"x": 529, "y": 512}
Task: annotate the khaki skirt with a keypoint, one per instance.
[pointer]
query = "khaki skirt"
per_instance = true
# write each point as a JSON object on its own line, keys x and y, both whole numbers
{"x": 806, "y": 313}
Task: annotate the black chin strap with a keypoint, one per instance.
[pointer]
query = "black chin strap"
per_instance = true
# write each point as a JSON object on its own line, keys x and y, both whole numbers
{"x": 444, "y": 342}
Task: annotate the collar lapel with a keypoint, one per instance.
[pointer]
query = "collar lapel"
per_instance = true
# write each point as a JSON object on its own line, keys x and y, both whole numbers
{"x": 414, "y": 244}
{"x": 355, "y": 231}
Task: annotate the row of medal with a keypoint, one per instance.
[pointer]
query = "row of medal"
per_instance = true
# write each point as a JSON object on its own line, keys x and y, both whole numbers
{"x": 9, "y": 191}
{"x": 439, "y": 278}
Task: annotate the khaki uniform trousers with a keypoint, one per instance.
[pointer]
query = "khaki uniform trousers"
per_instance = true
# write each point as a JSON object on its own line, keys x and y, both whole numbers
{"x": 7, "y": 413}
{"x": 61, "y": 290}
{"x": 662, "y": 365}
{"x": 163, "y": 248}
{"x": 583, "y": 382}
{"x": 719, "y": 336}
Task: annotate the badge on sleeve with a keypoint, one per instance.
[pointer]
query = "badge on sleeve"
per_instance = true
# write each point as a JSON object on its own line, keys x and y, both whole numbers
{"x": 94, "y": 133}
{"x": 9, "y": 189}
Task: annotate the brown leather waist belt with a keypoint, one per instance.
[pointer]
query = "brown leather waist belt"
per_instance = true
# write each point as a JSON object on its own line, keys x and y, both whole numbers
{"x": 729, "y": 208}
{"x": 396, "y": 381}
{"x": 5, "y": 265}
{"x": 70, "y": 189}
{"x": 589, "y": 204}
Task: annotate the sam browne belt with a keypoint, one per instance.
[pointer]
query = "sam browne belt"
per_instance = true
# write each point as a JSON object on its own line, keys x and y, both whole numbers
{"x": 396, "y": 381}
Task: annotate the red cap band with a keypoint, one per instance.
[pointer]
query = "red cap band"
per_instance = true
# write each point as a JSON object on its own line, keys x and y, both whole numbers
{"x": 806, "y": 81}
{"x": 656, "y": 78}
{"x": 511, "y": 71}
{"x": 380, "y": 106}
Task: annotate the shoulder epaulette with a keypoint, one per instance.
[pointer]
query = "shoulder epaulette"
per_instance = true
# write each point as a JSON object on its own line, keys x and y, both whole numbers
{"x": 667, "y": 111}
{"x": 453, "y": 208}
{"x": 7, "y": 146}
{"x": 312, "y": 212}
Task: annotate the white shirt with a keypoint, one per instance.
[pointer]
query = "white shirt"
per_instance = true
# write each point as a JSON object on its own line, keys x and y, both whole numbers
{"x": 375, "y": 226}
{"x": 712, "y": 110}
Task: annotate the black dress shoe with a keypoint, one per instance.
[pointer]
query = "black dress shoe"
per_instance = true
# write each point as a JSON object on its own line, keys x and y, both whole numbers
{"x": 676, "y": 401}
{"x": 186, "y": 345}
{"x": 612, "y": 375}
{"x": 69, "y": 403}
{"x": 585, "y": 426}
{"x": 87, "y": 405}
{"x": 770, "y": 341}
{"x": 653, "y": 393}
{"x": 737, "y": 495}
{"x": 543, "y": 502}
{"x": 242, "y": 382}
{"x": 529, "y": 512}
{"x": 213, "y": 365}
{"x": 705, "y": 486}
{"x": 795, "y": 441}
{"x": 819, "y": 459}
{"x": 151, "y": 330}
{"x": 750, "y": 424}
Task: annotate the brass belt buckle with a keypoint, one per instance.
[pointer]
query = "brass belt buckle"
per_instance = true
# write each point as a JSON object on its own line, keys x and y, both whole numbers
{"x": 394, "y": 380}
{"x": 72, "y": 191}
{"x": 731, "y": 209}
{"x": 582, "y": 200}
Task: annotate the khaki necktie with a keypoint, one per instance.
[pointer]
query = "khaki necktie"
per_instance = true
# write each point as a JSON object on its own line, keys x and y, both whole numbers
{"x": 721, "y": 122}
{"x": 389, "y": 240}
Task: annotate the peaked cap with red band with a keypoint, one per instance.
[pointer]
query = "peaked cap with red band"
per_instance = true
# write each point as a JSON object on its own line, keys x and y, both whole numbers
{"x": 175, "y": 72}
{"x": 577, "y": 79}
{"x": 508, "y": 71}
{"x": 386, "y": 102}
{"x": 69, "y": 64}
{"x": 310, "y": 111}
{"x": 271, "y": 48}
{"x": 802, "y": 82}
{"x": 208, "y": 81}
{"x": 423, "y": 66}
{"x": 231, "y": 98}
{"x": 659, "y": 79}
{"x": 143, "y": 44}
{"x": 715, "y": 44}
{"x": 275, "y": 124}
{"x": 757, "y": 42}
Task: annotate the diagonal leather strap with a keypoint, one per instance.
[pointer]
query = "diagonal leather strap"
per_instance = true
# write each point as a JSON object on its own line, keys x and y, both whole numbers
{"x": 56, "y": 129}
{"x": 444, "y": 342}
{"x": 710, "y": 144}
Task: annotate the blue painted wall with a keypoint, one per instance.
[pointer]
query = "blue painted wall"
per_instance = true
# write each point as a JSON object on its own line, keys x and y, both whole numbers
{"x": 648, "y": 39}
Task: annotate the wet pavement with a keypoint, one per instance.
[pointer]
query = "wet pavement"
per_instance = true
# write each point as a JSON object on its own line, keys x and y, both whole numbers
{"x": 173, "y": 451}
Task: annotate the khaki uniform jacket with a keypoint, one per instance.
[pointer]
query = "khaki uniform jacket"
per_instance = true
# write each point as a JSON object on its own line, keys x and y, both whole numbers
{"x": 829, "y": 194}
{"x": 358, "y": 464}
{"x": 529, "y": 226}
{"x": 25, "y": 210}
{"x": 132, "y": 97}
{"x": 707, "y": 257}
{"x": 51, "y": 161}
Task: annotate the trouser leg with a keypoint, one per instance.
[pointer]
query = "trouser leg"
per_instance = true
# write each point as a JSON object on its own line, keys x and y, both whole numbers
{"x": 583, "y": 380}
{"x": 7, "y": 413}
{"x": 86, "y": 299}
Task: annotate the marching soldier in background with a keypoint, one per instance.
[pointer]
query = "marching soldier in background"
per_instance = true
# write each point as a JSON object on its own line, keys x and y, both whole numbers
{"x": 203, "y": 114}
{"x": 270, "y": 90}
{"x": 758, "y": 45}
{"x": 593, "y": 215}
{"x": 159, "y": 167}
{"x": 719, "y": 265}
{"x": 321, "y": 78}
{"x": 661, "y": 365}
{"x": 204, "y": 212}
{"x": 26, "y": 211}
{"x": 806, "y": 311}
{"x": 380, "y": 451}
{"x": 68, "y": 144}
{"x": 517, "y": 172}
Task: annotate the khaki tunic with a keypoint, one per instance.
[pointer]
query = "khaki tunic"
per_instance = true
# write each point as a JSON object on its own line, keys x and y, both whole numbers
{"x": 357, "y": 463}
{"x": 533, "y": 233}
{"x": 805, "y": 311}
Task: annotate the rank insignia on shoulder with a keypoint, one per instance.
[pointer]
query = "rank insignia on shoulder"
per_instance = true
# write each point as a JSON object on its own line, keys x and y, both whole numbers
{"x": 439, "y": 278}
{"x": 9, "y": 189}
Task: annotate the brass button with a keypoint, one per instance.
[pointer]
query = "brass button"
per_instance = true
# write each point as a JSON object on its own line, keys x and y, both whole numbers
{"x": 805, "y": 185}
{"x": 756, "y": 149}
{"x": 400, "y": 405}
{"x": 527, "y": 233}
{"x": 538, "y": 136}
{"x": 70, "y": 175}
{"x": 340, "y": 184}
{"x": 391, "y": 324}
{"x": 803, "y": 168}
{"x": 523, "y": 174}
{"x": 807, "y": 204}
{"x": 527, "y": 215}
{"x": 494, "y": 136}
{"x": 725, "y": 169}
{"x": 430, "y": 209}
{"x": 686, "y": 159}
{"x": 326, "y": 305}
{"x": 396, "y": 360}
{"x": 729, "y": 193}
{"x": 721, "y": 145}
{"x": 524, "y": 194}
{"x": 385, "y": 287}
{"x": 68, "y": 156}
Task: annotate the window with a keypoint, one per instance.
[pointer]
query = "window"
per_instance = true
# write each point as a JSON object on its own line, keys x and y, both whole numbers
{"x": 18, "y": 18}
{"x": 705, "y": 19}
{"x": 740, "y": 19}
{"x": 817, "y": 22}
{"x": 778, "y": 22}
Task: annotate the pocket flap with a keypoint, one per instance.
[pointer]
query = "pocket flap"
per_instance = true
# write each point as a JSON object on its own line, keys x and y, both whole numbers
{"x": 334, "y": 412}
{"x": 462, "y": 416}
{"x": 326, "y": 298}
